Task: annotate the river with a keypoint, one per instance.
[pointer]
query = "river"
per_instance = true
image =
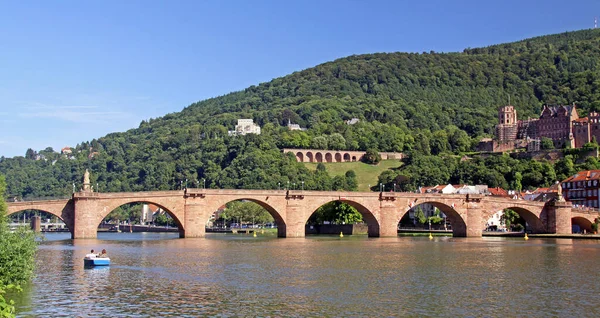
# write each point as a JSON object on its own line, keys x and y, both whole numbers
{"x": 237, "y": 275}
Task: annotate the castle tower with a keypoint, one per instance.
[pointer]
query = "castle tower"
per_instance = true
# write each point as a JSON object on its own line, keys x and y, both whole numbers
{"x": 507, "y": 115}
{"x": 507, "y": 123}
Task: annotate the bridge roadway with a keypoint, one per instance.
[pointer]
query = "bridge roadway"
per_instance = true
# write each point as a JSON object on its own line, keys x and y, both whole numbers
{"x": 382, "y": 211}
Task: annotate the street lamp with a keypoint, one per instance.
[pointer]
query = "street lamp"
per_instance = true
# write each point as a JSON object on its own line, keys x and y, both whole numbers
{"x": 180, "y": 184}
{"x": 394, "y": 186}
{"x": 278, "y": 185}
{"x": 380, "y": 184}
{"x": 294, "y": 186}
{"x": 288, "y": 185}
{"x": 302, "y": 185}
{"x": 186, "y": 183}
{"x": 73, "y": 187}
{"x": 203, "y": 183}
{"x": 430, "y": 224}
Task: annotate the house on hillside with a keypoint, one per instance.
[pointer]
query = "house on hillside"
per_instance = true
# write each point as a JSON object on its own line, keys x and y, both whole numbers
{"x": 352, "y": 121}
{"x": 245, "y": 126}
{"x": 294, "y": 126}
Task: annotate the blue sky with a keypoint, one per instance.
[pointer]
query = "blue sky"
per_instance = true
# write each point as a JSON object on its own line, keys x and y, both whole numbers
{"x": 71, "y": 71}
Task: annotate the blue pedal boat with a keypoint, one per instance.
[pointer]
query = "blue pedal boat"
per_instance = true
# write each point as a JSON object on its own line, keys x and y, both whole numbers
{"x": 97, "y": 261}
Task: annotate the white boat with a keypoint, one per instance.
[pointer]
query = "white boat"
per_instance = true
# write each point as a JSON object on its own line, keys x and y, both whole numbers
{"x": 96, "y": 261}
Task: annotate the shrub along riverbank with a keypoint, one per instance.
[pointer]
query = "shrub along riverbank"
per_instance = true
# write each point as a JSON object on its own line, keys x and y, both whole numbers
{"x": 17, "y": 257}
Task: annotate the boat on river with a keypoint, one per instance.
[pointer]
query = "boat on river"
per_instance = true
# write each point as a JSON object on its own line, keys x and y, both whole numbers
{"x": 96, "y": 261}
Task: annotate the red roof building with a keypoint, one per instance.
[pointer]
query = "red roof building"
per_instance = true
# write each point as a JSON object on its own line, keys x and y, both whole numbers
{"x": 499, "y": 192}
{"x": 582, "y": 188}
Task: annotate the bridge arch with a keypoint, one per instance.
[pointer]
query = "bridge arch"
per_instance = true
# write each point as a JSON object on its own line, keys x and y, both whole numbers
{"x": 300, "y": 156}
{"x": 533, "y": 219}
{"x": 68, "y": 223}
{"x": 63, "y": 209}
{"x": 582, "y": 223}
{"x": 459, "y": 226}
{"x": 310, "y": 156}
{"x": 367, "y": 215}
{"x": 114, "y": 204}
{"x": 278, "y": 219}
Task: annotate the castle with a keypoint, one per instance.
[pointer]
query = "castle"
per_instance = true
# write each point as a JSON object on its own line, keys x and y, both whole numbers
{"x": 559, "y": 123}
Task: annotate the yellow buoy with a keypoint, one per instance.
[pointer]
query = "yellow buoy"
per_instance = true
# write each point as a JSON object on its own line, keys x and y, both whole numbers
{"x": 430, "y": 236}
{"x": 341, "y": 234}
{"x": 526, "y": 236}
{"x": 254, "y": 234}
{"x": 262, "y": 231}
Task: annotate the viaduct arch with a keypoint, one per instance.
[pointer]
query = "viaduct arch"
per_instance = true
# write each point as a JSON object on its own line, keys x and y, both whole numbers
{"x": 316, "y": 155}
{"x": 291, "y": 209}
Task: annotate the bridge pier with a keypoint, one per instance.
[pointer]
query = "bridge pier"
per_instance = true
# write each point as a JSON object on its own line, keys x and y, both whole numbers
{"x": 388, "y": 222}
{"x": 195, "y": 217}
{"x": 85, "y": 223}
{"x": 558, "y": 217}
{"x": 475, "y": 222}
{"x": 296, "y": 221}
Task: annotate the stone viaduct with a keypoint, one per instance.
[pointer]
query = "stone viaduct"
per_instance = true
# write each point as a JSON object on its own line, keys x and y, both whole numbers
{"x": 382, "y": 211}
{"x": 314, "y": 155}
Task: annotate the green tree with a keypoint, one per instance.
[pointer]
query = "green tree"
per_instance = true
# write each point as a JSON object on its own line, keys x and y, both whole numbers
{"x": 351, "y": 180}
{"x": 336, "y": 142}
{"x": 547, "y": 143}
{"x": 511, "y": 219}
{"x": 163, "y": 219}
{"x": 319, "y": 142}
{"x": 335, "y": 212}
{"x": 247, "y": 212}
{"x": 372, "y": 156}
{"x": 436, "y": 217}
{"x": 419, "y": 215}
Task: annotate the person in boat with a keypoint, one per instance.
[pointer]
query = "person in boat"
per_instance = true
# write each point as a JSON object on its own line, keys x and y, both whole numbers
{"x": 103, "y": 254}
{"x": 91, "y": 255}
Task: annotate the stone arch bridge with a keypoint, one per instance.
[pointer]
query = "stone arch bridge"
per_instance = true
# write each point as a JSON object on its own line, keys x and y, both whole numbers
{"x": 382, "y": 211}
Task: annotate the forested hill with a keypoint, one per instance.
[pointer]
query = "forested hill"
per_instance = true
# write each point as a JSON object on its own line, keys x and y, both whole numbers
{"x": 429, "y": 103}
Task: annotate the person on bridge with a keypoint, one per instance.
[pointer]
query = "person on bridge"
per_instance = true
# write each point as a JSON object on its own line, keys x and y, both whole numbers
{"x": 103, "y": 253}
{"x": 91, "y": 255}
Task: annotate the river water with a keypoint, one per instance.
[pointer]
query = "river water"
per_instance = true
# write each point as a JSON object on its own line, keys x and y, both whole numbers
{"x": 236, "y": 275}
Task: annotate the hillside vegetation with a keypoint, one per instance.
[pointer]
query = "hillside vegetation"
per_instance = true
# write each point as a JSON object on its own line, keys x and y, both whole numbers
{"x": 366, "y": 174}
{"x": 426, "y": 104}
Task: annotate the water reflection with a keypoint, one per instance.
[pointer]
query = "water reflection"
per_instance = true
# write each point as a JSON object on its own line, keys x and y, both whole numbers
{"x": 238, "y": 275}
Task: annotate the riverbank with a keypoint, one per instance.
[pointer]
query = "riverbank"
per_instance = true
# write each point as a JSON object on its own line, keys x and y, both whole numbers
{"x": 405, "y": 232}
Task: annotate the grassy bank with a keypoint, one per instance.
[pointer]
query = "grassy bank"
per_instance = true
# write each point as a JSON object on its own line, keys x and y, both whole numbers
{"x": 365, "y": 173}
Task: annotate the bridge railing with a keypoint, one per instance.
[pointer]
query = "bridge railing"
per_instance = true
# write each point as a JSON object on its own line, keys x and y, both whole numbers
{"x": 12, "y": 200}
{"x": 586, "y": 209}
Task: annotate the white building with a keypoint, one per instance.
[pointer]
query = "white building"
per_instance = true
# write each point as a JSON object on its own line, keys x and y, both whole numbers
{"x": 352, "y": 121}
{"x": 245, "y": 126}
{"x": 294, "y": 126}
{"x": 494, "y": 223}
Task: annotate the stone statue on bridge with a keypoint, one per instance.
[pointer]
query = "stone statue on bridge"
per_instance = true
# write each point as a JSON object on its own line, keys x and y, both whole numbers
{"x": 86, "y": 182}
{"x": 559, "y": 196}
